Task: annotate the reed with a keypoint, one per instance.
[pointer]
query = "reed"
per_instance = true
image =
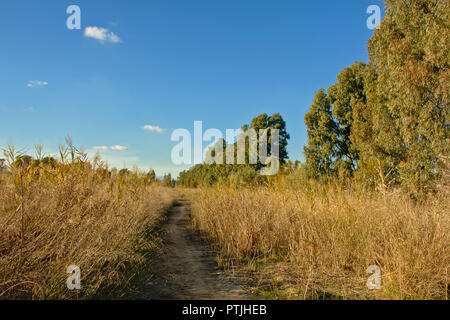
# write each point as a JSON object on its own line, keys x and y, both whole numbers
{"x": 71, "y": 211}
{"x": 317, "y": 242}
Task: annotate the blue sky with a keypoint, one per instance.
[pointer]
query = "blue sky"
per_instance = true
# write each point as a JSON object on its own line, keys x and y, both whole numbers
{"x": 167, "y": 64}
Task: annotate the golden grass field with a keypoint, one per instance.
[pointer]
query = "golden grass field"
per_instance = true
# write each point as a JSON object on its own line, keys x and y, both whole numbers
{"x": 302, "y": 241}
{"x": 75, "y": 213}
{"x": 317, "y": 242}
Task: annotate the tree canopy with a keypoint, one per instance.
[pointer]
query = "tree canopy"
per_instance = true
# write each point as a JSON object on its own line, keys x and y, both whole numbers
{"x": 388, "y": 121}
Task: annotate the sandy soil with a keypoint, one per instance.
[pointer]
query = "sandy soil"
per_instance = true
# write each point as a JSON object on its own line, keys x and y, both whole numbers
{"x": 186, "y": 269}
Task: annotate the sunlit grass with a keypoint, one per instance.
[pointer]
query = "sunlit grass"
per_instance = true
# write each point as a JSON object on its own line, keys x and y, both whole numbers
{"x": 317, "y": 242}
{"x": 56, "y": 213}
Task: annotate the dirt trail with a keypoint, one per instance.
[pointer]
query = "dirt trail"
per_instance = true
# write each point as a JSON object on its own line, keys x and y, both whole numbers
{"x": 186, "y": 269}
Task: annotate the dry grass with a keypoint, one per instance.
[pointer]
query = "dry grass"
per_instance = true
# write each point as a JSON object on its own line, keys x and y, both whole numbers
{"x": 316, "y": 243}
{"x": 75, "y": 213}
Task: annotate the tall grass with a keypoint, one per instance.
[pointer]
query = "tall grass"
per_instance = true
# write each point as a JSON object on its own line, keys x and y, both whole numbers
{"x": 74, "y": 212}
{"x": 317, "y": 242}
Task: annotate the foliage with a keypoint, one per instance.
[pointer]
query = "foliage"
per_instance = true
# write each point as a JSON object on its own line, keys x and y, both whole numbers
{"x": 168, "y": 181}
{"x": 387, "y": 122}
{"x": 411, "y": 56}
{"x": 322, "y": 137}
{"x": 213, "y": 172}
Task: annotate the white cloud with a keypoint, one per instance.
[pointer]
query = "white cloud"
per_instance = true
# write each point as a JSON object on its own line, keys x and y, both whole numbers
{"x": 36, "y": 83}
{"x": 119, "y": 148}
{"x": 115, "y": 148}
{"x": 101, "y": 34}
{"x": 151, "y": 128}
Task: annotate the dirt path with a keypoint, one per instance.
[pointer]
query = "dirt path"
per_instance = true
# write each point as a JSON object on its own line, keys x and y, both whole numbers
{"x": 186, "y": 269}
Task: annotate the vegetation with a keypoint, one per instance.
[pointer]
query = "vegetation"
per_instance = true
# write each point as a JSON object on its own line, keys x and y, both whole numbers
{"x": 215, "y": 170}
{"x": 374, "y": 188}
{"x": 313, "y": 241}
{"x": 387, "y": 122}
{"x": 168, "y": 181}
{"x": 57, "y": 213}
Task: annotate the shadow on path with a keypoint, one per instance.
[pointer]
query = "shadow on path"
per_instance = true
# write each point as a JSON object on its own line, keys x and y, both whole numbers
{"x": 186, "y": 269}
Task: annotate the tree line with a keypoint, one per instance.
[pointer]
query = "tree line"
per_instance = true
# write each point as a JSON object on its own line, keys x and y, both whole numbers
{"x": 214, "y": 171}
{"x": 383, "y": 123}
{"x": 386, "y": 122}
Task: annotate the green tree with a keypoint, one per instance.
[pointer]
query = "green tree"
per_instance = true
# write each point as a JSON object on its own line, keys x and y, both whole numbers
{"x": 274, "y": 122}
{"x": 322, "y": 147}
{"x": 376, "y": 136}
{"x": 344, "y": 96}
{"x": 211, "y": 172}
{"x": 151, "y": 176}
{"x": 167, "y": 181}
{"x": 410, "y": 54}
